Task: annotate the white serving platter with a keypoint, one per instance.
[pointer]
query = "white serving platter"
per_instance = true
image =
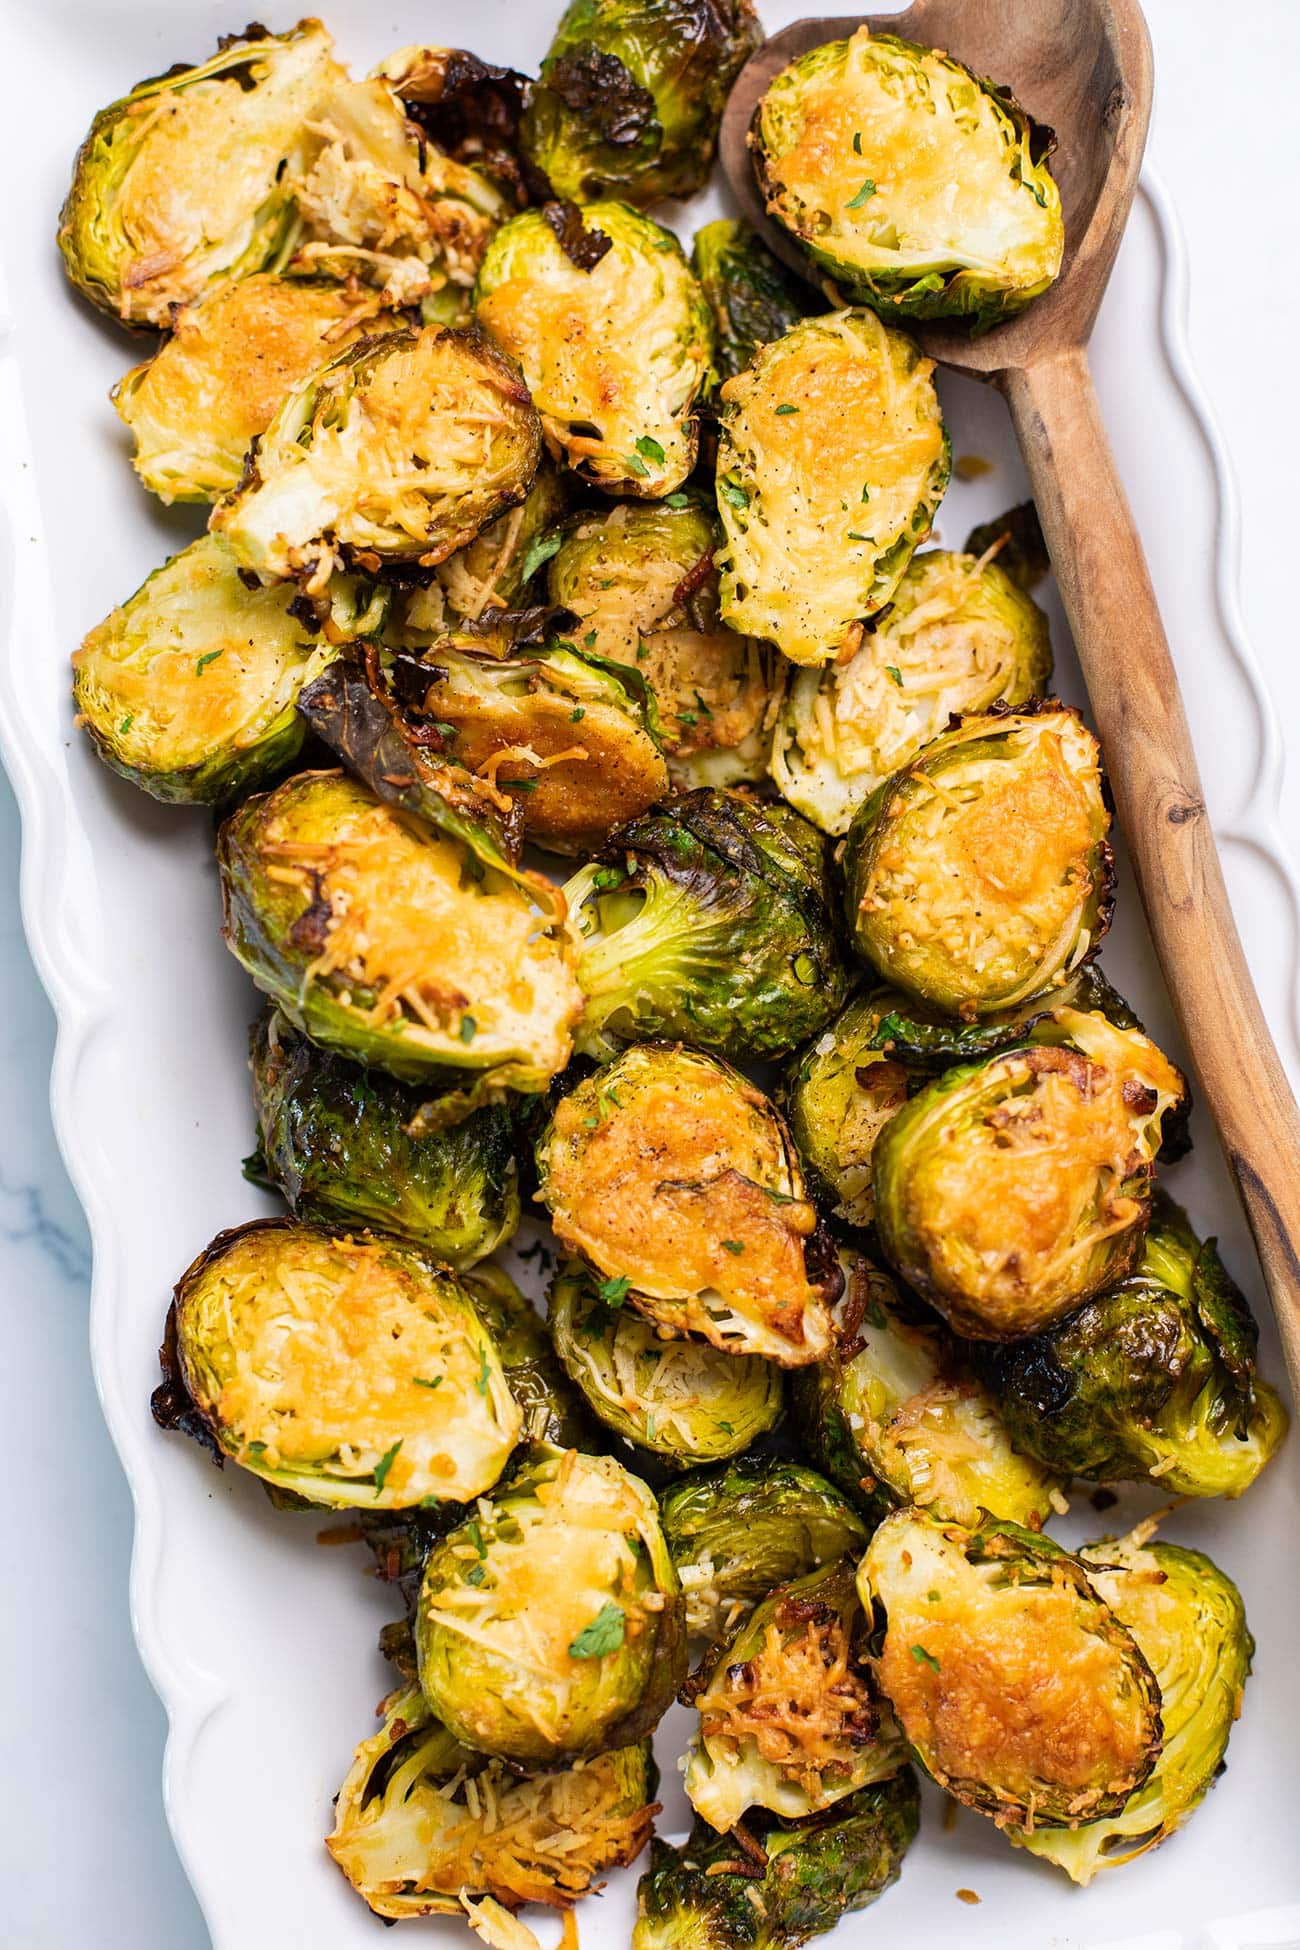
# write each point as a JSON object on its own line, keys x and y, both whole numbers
{"x": 261, "y": 1643}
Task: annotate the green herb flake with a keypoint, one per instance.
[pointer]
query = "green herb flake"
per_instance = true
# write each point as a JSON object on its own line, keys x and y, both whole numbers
{"x": 687, "y": 717}
{"x": 209, "y": 657}
{"x": 475, "y": 1536}
{"x": 577, "y": 714}
{"x": 603, "y": 1634}
{"x": 614, "y": 1292}
{"x": 894, "y": 675}
{"x": 475, "y": 1574}
{"x": 705, "y": 712}
{"x": 733, "y": 1245}
{"x": 931, "y": 1597}
{"x": 649, "y": 449}
{"x": 857, "y": 142}
{"x": 418, "y": 1381}
{"x": 733, "y": 493}
{"x": 785, "y": 408}
{"x": 854, "y": 536}
{"x": 126, "y": 724}
{"x": 725, "y": 1427}
{"x": 589, "y": 641}
{"x": 866, "y": 491}
{"x": 678, "y": 500}
{"x": 924, "y": 1658}
{"x": 383, "y": 1466}
{"x": 468, "y": 1029}
{"x": 635, "y": 465}
{"x": 864, "y": 195}
{"x": 541, "y": 551}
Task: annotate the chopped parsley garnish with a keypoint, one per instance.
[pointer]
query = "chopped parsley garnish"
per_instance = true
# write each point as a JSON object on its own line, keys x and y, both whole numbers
{"x": 733, "y": 1245}
{"x": 735, "y": 494}
{"x": 614, "y": 1292}
{"x": 649, "y": 449}
{"x": 678, "y": 500}
{"x": 589, "y": 640}
{"x": 420, "y": 1382}
{"x": 577, "y": 714}
{"x": 208, "y": 657}
{"x": 603, "y": 1634}
{"x": 468, "y": 1029}
{"x": 126, "y": 723}
{"x": 541, "y": 551}
{"x": 857, "y": 142}
{"x": 894, "y": 674}
{"x": 924, "y": 1658}
{"x": 864, "y": 195}
{"x": 785, "y": 407}
{"x": 383, "y": 1466}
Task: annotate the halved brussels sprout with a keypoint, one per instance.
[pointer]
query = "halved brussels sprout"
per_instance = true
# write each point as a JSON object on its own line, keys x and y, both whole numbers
{"x": 754, "y": 299}
{"x": 839, "y": 1096}
{"x": 1009, "y": 1192}
{"x": 1187, "y": 1617}
{"x": 1014, "y": 1683}
{"x": 831, "y": 463}
{"x": 179, "y": 186}
{"x": 189, "y": 689}
{"x": 684, "y": 1402}
{"x": 352, "y": 1371}
{"x": 960, "y": 636}
{"x": 553, "y": 1410}
{"x": 980, "y": 874}
{"x": 896, "y": 1415}
{"x": 788, "y": 1717}
{"x": 336, "y": 1140}
{"x": 631, "y": 93}
{"x": 197, "y": 405}
{"x": 467, "y": 108}
{"x": 399, "y": 450}
{"x": 707, "y": 1894}
{"x": 616, "y": 349}
{"x": 421, "y": 1822}
{"x": 918, "y": 186}
{"x": 677, "y": 1181}
{"x": 493, "y": 571}
{"x": 641, "y": 581}
{"x": 737, "y": 1532}
{"x": 550, "y": 1624}
{"x": 1152, "y": 1380}
{"x": 378, "y": 201}
{"x": 709, "y": 919}
{"x": 392, "y": 943}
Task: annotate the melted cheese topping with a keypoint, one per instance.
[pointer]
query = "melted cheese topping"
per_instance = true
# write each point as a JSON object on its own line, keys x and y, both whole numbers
{"x": 653, "y": 1166}
{"x": 614, "y": 356}
{"x": 821, "y": 507}
{"x": 1015, "y": 1690}
{"x": 953, "y": 186}
{"x": 193, "y": 664}
{"x": 308, "y": 1352}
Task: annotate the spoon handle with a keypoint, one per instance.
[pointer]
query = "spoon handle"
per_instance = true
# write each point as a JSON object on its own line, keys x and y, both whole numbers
{"x": 1139, "y": 717}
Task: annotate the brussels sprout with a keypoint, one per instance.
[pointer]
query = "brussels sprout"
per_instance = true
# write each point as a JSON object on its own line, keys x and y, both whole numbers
{"x": 919, "y": 187}
{"x": 683, "y": 1401}
{"x": 980, "y": 874}
{"x": 179, "y": 186}
{"x": 616, "y": 349}
{"x": 737, "y": 1532}
{"x": 189, "y": 688}
{"x": 960, "y": 636}
{"x": 839, "y": 1096}
{"x": 1014, "y": 1683}
{"x": 1017, "y": 536}
{"x": 352, "y": 1371}
{"x": 631, "y": 93}
{"x": 421, "y": 1822}
{"x": 708, "y": 1894}
{"x": 380, "y": 202}
{"x": 677, "y": 1181}
{"x": 754, "y": 299}
{"x": 550, "y": 1625}
{"x": 460, "y": 445}
{"x": 493, "y": 571}
{"x": 896, "y": 1416}
{"x": 196, "y": 406}
{"x": 336, "y": 1141}
{"x": 788, "y": 1720}
{"x": 1188, "y": 1619}
{"x": 553, "y": 1410}
{"x": 709, "y": 920}
{"x": 390, "y": 943}
{"x": 1152, "y": 1380}
{"x": 831, "y": 462}
{"x": 469, "y": 109}
{"x": 641, "y": 581}
{"x": 1009, "y": 1192}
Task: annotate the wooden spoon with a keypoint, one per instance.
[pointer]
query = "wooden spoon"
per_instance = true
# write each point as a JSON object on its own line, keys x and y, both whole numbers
{"x": 1084, "y": 68}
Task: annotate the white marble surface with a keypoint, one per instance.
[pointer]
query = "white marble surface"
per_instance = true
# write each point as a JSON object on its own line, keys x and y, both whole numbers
{"x": 85, "y": 1856}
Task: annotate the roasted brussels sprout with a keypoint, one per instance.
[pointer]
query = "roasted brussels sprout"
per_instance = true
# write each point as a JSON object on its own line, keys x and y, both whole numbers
{"x": 391, "y": 943}
{"x": 352, "y": 1371}
{"x": 493, "y": 571}
{"x": 839, "y": 1096}
{"x": 708, "y": 1894}
{"x": 196, "y": 406}
{"x": 550, "y": 1625}
{"x": 677, "y": 1181}
{"x": 831, "y": 462}
{"x": 336, "y": 1140}
{"x": 1153, "y": 1379}
{"x": 616, "y": 348}
{"x": 189, "y": 688}
{"x": 641, "y": 581}
{"x": 683, "y": 1401}
{"x": 754, "y": 299}
{"x": 981, "y": 874}
{"x": 1013, "y": 1681}
{"x": 708, "y": 919}
{"x": 895, "y": 1414}
{"x": 788, "y": 1720}
{"x": 421, "y": 1822}
{"x": 1009, "y": 1192}
{"x": 179, "y": 186}
{"x": 919, "y": 187}
{"x": 631, "y": 93}
{"x": 469, "y": 109}
{"x": 553, "y": 1410}
{"x": 1017, "y": 536}
{"x": 460, "y": 445}
{"x": 1188, "y": 1619}
{"x": 737, "y": 1532}
{"x": 960, "y": 636}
